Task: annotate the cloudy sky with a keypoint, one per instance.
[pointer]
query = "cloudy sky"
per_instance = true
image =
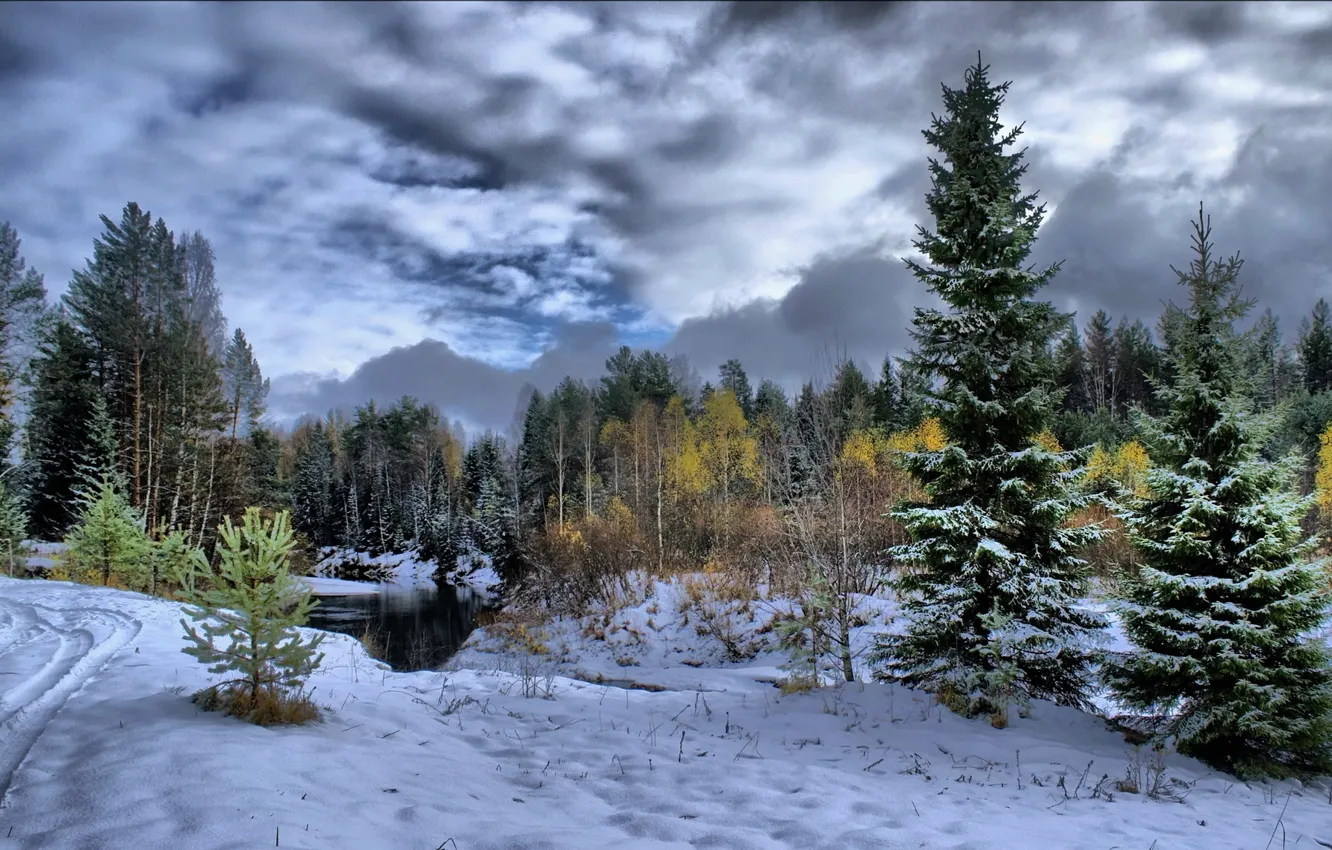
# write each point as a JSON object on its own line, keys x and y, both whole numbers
{"x": 453, "y": 200}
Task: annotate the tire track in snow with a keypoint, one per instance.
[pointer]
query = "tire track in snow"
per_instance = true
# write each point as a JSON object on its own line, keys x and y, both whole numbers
{"x": 80, "y": 647}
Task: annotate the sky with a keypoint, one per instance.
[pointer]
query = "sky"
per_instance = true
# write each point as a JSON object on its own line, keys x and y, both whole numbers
{"x": 457, "y": 200}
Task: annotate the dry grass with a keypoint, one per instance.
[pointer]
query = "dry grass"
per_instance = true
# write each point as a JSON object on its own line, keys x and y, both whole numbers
{"x": 1113, "y": 556}
{"x": 269, "y": 706}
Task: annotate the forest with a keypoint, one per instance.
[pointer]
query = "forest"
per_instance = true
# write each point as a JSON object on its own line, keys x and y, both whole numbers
{"x": 134, "y": 371}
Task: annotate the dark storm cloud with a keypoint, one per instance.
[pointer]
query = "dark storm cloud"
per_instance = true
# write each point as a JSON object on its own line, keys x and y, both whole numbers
{"x": 480, "y": 395}
{"x": 492, "y": 173}
{"x": 856, "y": 304}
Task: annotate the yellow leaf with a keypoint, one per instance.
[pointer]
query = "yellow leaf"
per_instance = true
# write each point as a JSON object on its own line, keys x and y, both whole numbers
{"x": 1323, "y": 476}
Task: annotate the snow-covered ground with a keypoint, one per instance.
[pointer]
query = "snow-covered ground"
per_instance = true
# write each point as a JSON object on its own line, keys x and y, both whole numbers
{"x": 101, "y": 748}
{"x": 399, "y": 569}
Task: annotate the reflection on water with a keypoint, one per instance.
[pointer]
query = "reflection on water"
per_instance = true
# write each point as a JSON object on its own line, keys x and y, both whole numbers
{"x": 411, "y": 628}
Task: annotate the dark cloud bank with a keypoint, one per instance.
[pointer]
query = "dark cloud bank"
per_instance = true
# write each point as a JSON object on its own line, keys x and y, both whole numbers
{"x": 1134, "y": 116}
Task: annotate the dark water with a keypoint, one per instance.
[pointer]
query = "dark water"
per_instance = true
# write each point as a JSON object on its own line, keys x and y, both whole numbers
{"x": 415, "y": 628}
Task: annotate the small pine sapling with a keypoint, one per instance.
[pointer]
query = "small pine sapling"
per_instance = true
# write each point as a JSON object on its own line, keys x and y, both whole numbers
{"x": 255, "y": 603}
{"x": 805, "y": 635}
{"x": 172, "y": 562}
{"x": 109, "y": 540}
{"x": 13, "y": 524}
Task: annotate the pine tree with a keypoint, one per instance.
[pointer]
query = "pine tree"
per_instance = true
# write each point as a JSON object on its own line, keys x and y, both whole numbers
{"x": 61, "y": 411}
{"x": 110, "y": 540}
{"x": 244, "y": 385}
{"x": 313, "y": 511}
{"x": 885, "y": 399}
{"x": 1100, "y": 359}
{"x": 1226, "y": 602}
{"x": 22, "y": 310}
{"x": 1315, "y": 348}
{"x": 850, "y": 396}
{"x": 992, "y": 562}
{"x": 257, "y": 606}
{"x": 13, "y": 528}
{"x": 171, "y": 559}
{"x": 1071, "y": 361}
{"x": 733, "y": 378}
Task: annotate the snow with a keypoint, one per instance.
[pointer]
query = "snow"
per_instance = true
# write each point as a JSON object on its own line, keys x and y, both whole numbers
{"x": 322, "y": 586}
{"x": 42, "y": 555}
{"x": 406, "y": 569}
{"x": 100, "y": 747}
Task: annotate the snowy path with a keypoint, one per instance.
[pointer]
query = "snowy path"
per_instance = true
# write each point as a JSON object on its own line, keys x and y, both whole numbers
{"x": 46, "y": 655}
{"x": 407, "y": 761}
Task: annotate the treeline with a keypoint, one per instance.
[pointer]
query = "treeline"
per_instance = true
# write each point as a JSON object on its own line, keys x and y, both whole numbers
{"x": 135, "y": 370}
{"x": 696, "y": 472}
{"x": 133, "y": 379}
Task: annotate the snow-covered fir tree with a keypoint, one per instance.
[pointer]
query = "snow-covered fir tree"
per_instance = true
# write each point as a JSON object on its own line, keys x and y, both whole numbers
{"x": 992, "y": 561}
{"x": 1224, "y": 609}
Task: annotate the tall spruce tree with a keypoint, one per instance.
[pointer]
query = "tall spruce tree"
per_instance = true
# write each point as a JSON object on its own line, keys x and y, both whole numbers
{"x": 59, "y": 429}
{"x": 244, "y": 385}
{"x": 1315, "y": 348}
{"x": 734, "y": 378}
{"x": 885, "y": 398}
{"x": 1226, "y": 602}
{"x": 991, "y": 596}
{"x": 1071, "y": 361}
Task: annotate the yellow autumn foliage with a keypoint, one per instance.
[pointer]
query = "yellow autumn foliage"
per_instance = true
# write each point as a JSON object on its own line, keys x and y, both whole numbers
{"x": 686, "y": 473}
{"x": 865, "y": 450}
{"x": 728, "y": 451}
{"x": 1100, "y": 467}
{"x": 1323, "y": 475}
{"x": 618, "y": 514}
{"x": 1048, "y": 441}
{"x": 928, "y": 436}
{"x": 1126, "y": 466}
{"x": 1131, "y": 466}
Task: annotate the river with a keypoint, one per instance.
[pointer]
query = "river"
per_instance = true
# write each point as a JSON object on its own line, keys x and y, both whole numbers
{"x": 410, "y": 628}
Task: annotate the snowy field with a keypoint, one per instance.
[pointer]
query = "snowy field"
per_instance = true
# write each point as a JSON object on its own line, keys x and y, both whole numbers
{"x": 101, "y": 749}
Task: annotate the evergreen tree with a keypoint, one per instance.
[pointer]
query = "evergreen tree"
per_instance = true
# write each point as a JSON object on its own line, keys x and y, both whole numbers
{"x": 170, "y": 558}
{"x": 1225, "y": 605}
{"x": 204, "y": 310}
{"x": 1267, "y": 362}
{"x": 1100, "y": 361}
{"x": 770, "y": 401}
{"x": 493, "y": 522}
{"x": 733, "y": 378}
{"x": 244, "y": 385}
{"x": 257, "y": 606}
{"x": 992, "y": 560}
{"x": 110, "y": 540}
{"x": 1135, "y": 366}
{"x": 13, "y": 528}
{"x": 22, "y": 308}
{"x": 59, "y": 429}
{"x": 1315, "y": 349}
{"x": 1071, "y": 362}
{"x": 913, "y": 395}
{"x": 851, "y": 398}
{"x": 885, "y": 399}
{"x": 313, "y": 508}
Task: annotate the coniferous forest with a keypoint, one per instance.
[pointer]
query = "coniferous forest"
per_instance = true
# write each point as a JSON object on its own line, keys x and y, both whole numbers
{"x": 990, "y": 477}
